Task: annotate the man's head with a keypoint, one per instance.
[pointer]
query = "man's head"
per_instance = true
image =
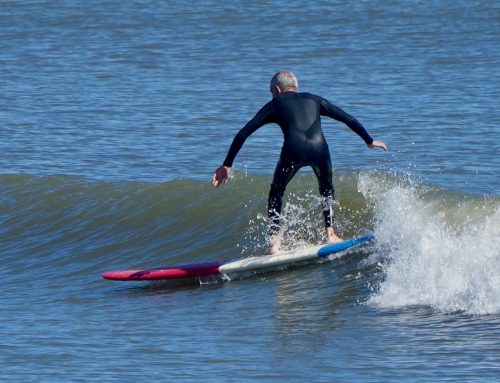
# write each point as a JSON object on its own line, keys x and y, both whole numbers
{"x": 283, "y": 81}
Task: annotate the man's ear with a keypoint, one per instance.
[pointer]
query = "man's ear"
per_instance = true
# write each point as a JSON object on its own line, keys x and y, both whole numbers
{"x": 277, "y": 90}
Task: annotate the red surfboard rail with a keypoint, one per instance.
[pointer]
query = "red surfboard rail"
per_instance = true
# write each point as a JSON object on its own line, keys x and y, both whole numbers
{"x": 183, "y": 271}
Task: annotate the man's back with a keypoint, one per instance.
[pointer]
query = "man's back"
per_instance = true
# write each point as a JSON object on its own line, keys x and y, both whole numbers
{"x": 298, "y": 115}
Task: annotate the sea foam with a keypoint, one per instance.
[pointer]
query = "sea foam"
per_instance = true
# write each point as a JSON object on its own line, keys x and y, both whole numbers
{"x": 443, "y": 249}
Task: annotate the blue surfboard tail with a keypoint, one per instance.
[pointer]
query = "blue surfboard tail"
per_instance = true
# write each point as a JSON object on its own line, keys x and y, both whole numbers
{"x": 333, "y": 248}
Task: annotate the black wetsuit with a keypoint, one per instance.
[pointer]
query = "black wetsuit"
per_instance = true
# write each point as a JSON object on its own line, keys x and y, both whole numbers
{"x": 299, "y": 116}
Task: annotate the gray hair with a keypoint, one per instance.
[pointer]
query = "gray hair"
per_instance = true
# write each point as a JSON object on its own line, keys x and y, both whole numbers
{"x": 285, "y": 80}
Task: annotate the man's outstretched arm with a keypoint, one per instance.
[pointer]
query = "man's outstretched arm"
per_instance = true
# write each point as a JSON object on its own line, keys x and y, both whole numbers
{"x": 263, "y": 116}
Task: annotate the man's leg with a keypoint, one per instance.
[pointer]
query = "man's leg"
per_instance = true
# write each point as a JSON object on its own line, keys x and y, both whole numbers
{"x": 323, "y": 173}
{"x": 282, "y": 176}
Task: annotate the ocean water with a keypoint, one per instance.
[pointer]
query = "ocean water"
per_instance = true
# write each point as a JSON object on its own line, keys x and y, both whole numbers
{"x": 114, "y": 115}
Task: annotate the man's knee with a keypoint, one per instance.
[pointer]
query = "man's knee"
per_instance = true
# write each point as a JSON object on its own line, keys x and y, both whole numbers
{"x": 276, "y": 192}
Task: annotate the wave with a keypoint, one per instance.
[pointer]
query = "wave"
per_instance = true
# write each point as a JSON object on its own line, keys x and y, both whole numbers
{"x": 442, "y": 248}
{"x": 436, "y": 247}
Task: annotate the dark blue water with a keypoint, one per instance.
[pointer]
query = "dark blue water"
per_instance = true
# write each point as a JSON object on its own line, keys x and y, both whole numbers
{"x": 113, "y": 116}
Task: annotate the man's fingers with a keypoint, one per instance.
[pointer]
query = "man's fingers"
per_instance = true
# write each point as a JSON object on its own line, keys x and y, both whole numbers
{"x": 378, "y": 144}
{"x": 215, "y": 180}
{"x": 221, "y": 176}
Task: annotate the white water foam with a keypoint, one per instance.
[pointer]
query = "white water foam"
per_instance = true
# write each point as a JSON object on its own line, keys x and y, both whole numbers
{"x": 441, "y": 254}
{"x": 301, "y": 226}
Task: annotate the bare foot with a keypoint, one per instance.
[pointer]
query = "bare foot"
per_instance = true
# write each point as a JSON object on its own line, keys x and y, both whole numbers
{"x": 331, "y": 236}
{"x": 275, "y": 244}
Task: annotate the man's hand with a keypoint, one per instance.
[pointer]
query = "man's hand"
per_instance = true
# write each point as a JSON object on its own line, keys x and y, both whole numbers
{"x": 378, "y": 144}
{"x": 221, "y": 176}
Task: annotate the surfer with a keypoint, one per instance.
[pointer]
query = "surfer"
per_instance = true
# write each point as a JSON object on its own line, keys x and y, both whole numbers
{"x": 299, "y": 117}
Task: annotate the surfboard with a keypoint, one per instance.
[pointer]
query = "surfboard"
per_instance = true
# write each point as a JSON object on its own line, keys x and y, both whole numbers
{"x": 285, "y": 258}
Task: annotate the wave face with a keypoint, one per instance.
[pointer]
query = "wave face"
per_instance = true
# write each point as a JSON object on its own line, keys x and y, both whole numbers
{"x": 435, "y": 247}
